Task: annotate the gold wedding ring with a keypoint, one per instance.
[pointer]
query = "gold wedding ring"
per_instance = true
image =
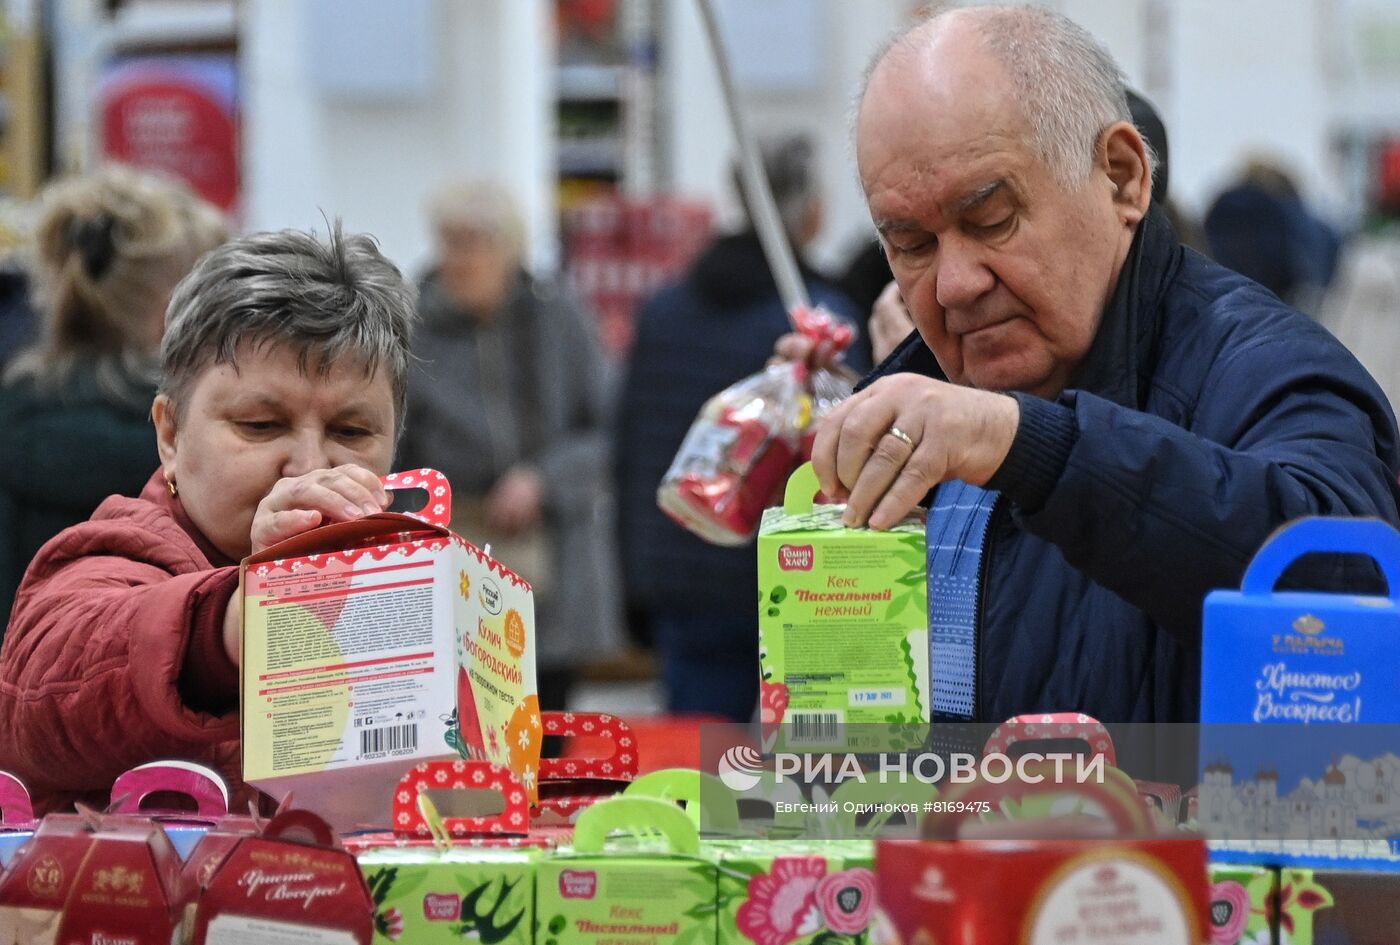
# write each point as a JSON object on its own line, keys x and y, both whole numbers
{"x": 899, "y": 434}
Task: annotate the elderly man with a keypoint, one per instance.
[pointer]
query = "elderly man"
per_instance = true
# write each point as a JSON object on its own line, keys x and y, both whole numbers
{"x": 1111, "y": 423}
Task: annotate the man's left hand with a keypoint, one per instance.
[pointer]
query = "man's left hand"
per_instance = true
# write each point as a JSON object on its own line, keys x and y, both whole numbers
{"x": 952, "y": 433}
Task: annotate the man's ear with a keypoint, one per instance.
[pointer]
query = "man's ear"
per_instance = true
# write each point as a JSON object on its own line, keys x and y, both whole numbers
{"x": 163, "y": 415}
{"x": 1122, "y": 156}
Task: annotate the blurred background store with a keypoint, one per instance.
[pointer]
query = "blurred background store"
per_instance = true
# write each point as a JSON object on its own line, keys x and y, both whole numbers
{"x": 604, "y": 119}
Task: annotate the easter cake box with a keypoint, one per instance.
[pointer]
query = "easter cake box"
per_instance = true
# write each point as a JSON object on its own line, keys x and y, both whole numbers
{"x": 843, "y": 623}
{"x": 374, "y": 644}
{"x": 1300, "y": 709}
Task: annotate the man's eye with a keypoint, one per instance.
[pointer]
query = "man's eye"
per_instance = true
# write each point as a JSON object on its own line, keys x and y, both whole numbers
{"x": 992, "y": 227}
{"x": 257, "y": 426}
{"x": 353, "y": 433}
{"x": 916, "y": 247}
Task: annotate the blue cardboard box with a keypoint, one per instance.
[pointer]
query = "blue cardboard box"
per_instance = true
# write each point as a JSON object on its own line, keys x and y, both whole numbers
{"x": 1300, "y": 709}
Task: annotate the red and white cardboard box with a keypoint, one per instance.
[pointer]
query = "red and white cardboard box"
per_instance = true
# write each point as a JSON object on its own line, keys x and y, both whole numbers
{"x": 92, "y": 880}
{"x": 569, "y": 784}
{"x": 292, "y": 884}
{"x": 378, "y": 642}
{"x": 479, "y": 804}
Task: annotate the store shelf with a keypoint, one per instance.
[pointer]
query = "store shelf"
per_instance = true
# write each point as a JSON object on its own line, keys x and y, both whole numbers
{"x": 589, "y": 83}
{"x": 171, "y": 23}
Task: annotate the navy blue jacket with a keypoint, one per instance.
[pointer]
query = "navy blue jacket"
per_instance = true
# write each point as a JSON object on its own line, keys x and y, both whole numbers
{"x": 1206, "y": 414}
{"x": 695, "y": 338}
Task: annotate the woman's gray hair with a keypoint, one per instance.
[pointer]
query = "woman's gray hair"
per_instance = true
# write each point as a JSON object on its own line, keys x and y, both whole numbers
{"x": 1066, "y": 81}
{"x": 326, "y": 300}
{"x": 484, "y": 206}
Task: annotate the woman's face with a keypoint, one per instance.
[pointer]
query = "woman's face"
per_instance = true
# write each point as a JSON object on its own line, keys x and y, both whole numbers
{"x": 476, "y": 268}
{"x": 246, "y": 427}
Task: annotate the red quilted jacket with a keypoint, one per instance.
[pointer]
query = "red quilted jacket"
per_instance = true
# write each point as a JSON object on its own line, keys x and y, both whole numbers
{"x": 113, "y": 656}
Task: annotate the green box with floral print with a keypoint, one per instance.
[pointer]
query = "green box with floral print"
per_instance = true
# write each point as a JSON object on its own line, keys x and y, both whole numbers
{"x": 795, "y": 892}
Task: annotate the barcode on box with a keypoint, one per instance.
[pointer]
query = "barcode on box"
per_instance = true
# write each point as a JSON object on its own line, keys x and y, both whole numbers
{"x": 391, "y": 740}
{"x": 814, "y": 728}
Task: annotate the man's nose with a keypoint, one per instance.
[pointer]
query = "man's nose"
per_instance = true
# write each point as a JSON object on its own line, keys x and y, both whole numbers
{"x": 963, "y": 277}
{"x": 307, "y": 453}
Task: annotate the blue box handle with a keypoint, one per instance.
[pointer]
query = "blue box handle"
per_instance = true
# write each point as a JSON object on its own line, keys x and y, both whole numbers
{"x": 1372, "y": 537}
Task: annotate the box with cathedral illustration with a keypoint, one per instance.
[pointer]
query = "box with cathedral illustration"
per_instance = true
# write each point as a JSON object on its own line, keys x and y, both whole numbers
{"x": 1300, "y": 707}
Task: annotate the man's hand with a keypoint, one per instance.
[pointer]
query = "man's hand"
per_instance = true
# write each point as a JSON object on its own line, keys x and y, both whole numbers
{"x": 517, "y": 501}
{"x": 956, "y": 432}
{"x": 300, "y": 503}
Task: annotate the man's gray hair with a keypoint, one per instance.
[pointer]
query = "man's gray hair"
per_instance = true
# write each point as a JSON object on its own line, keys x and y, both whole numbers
{"x": 1067, "y": 82}
{"x": 789, "y": 161}
{"x": 326, "y": 300}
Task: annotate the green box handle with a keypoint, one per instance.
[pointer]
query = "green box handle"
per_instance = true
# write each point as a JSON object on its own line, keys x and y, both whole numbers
{"x": 702, "y": 794}
{"x": 801, "y": 493}
{"x": 639, "y": 816}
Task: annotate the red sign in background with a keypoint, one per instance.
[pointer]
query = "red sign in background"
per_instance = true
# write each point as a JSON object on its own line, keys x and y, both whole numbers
{"x": 176, "y": 115}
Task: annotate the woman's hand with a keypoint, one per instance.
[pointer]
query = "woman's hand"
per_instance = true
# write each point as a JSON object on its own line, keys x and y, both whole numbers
{"x": 517, "y": 502}
{"x": 884, "y": 448}
{"x": 300, "y": 503}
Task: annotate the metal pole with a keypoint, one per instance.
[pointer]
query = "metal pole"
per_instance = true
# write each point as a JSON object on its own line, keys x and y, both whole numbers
{"x": 781, "y": 259}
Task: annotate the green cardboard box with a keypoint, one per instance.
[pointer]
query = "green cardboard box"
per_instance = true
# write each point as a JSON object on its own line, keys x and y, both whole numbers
{"x": 843, "y": 624}
{"x": 426, "y": 896}
{"x": 806, "y": 892}
{"x": 1243, "y": 904}
{"x": 605, "y": 892}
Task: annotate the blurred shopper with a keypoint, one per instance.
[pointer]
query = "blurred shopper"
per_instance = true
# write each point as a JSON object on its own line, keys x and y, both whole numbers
{"x": 19, "y": 324}
{"x": 284, "y": 367}
{"x": 75, "y": 407}
{"x": 510, "y": 401}
{"x": 1261, "y": 228}
{"x": 1103, "y": 425}
{"x": 714, "y": 327}
{"x": 1363, "y": 307}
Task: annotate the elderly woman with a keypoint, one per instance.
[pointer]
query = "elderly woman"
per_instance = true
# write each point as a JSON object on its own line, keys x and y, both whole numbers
{"x": 284, "y": 374}
{"x": 108, "y": 250}
{"x": 511, "y": 403}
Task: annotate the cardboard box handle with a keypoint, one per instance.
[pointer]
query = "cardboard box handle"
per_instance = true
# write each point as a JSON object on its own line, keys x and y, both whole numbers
{"x": 1371, "y": 537}
{"x": 1053, "y": 726}
{"x": 200, "y": 784}
{"x": 802, "y": 488}
{"x": 478, "y": 775}
{"x": 701, "y": 793}
{"x": 16, "y": 808}
{"x": 620, "y": 765}
{"x": 640, "y": 816}
{"x": 436, "y": 495}
{"x": 882, "y": 798}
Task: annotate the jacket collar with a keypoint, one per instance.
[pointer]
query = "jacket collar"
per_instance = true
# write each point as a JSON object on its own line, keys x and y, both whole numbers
{"x": 158, "y": 494}
{"x": 1119, "y": 361}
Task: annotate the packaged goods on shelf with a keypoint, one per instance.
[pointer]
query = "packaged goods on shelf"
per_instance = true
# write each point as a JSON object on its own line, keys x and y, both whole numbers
{"x": 658, "y": 890}
{"x": 1039, "y": 886}
{"x": 290, "y": 883}
{"x": 1243, "y": 904}
{"x": 843, "y": 626}
{"x": 87, "y": 879}
{"x": 1300, "y": 714}
{"x": 569, "y": 784}
{"x": 137, "y": 793}
{"x": 373, "y": 644}
{"x": 428, "y": 895}
{"x": 16, "y": 817}
{"x": 1320, "y": 906}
